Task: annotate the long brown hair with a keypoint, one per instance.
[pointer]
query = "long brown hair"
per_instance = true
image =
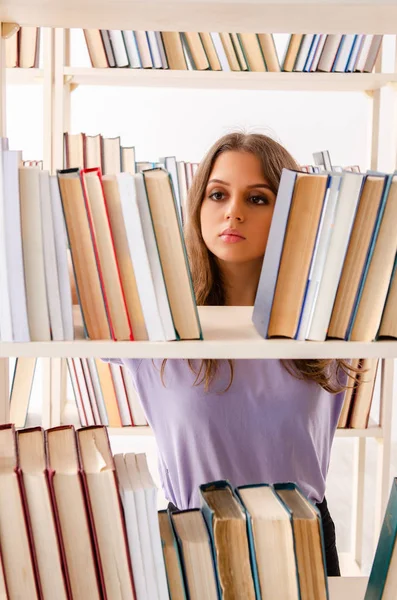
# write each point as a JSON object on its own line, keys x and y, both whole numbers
{"x": 207, "y": 280}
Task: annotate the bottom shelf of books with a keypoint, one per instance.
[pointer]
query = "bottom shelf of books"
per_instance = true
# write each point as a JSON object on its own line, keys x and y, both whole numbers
{"x": 81, "y": 522}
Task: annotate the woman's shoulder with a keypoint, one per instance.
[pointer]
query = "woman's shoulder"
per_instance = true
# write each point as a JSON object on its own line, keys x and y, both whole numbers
{"x": 132, "y": 364}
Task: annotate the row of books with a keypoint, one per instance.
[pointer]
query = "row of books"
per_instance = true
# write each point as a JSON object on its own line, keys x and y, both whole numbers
{"x": 104, "y": 393}
{"x": 80, "y": 523}
{"x": 210, "y": 51}
{"x": 88, "y": 151}
{"x": 329, "y": 269}
{"x": 127, "y": 250}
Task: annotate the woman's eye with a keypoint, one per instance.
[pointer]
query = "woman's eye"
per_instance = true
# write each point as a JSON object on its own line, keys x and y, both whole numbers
{"x": 216, "y": 195}
{"x": 259, "y": 200}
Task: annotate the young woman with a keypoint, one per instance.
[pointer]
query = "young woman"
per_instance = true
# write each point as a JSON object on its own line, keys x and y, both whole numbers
{"x": 247, "y": 421}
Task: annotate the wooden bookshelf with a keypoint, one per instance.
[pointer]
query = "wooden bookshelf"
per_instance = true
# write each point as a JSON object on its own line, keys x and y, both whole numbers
{"x": 327, "y": 16}
{"x": 313, "y": 82}
{"x": 24, "y": 76}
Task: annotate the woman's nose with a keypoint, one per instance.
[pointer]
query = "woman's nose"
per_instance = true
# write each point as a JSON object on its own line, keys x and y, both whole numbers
{"x": 234, "y": 211}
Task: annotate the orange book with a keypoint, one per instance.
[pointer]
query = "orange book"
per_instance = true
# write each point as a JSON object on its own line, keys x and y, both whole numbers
{"x": 109, "y": 393}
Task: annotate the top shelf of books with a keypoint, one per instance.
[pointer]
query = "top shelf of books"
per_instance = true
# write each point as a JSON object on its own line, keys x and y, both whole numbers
{"x": 260, "y": 16}
{"x": 228, "y": 333}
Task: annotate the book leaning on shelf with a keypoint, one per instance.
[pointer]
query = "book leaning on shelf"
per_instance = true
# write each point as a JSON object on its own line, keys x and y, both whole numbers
{"x": 133, "y": 281}
{"x": 329, "y": 267}
{"x": 82, "y": 523}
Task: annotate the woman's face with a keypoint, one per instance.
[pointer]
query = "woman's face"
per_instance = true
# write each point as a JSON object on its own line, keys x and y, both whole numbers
{"x": 237, "y": 208}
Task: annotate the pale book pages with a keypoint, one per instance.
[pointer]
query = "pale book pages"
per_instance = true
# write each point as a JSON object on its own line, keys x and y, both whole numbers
{"x": 171, "y": 558}
{"x": 28, "y": 47}
{"x": 154, "y": 528}
{"x": 174, "y": 50}
{"x": 83, "y": 391}
{"x": 132, "y": 526}
{"x": 95, "y": 49}
{"x": 72, "y": 514}
{"x": 253, "y": 51}
{"x": 76, "y": 391}
{"x": 111, "y": 164}
{"x": 93, "y": 151}
{"x": 273, "y": 543}
{"x": 50, "y": 259}
{"x": 122, "y": 399}
{"x": 120, "y": 53}
{"x": 143, "y": 526}
{"x": 45, "y": 537}
{"x": 11, "y": 51}
{"x": 14, "y": 540}
{"x": 91, "y": 392}
{"x": 210, "y": 51}
{"x": 220, "y": 51}
{"x": 74, "y": 150}
{"x": 21, "y": 389}
{"x": 107, "y": 256}
{"x": 229, "y": 51}
{"x": 33, "y": 254}
{"x": 98, "y": 391}
{"x": 269, "y": 52}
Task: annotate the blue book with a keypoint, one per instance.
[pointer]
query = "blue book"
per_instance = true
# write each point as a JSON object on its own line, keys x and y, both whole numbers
{"x": 228, "y": 523}
{"x": 309, "y": 541}
{"x": 379, "y": 583}
{"x": 274, "y": 248}
{"x": 312, "y": 52}
{"x": 169, "y": 544}
{"x": 195, "y": 554}
{"x": 271, "y": 541}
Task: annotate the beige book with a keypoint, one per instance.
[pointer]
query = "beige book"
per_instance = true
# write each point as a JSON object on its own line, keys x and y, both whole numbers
{"x": 11, "y": 45}
{"x": 33, "y": 254}
{"x": 269, "y": 51}
{"x": 361, "y": 408}
{"x": 231, "y": 544}
{"x": 252, "y": 51}
{"x": 300, "y": 237}
{"x": 14, "y": 538}
{"x": 21, "y": 388}
{"x": 95, "y": 49}
{"x": 107, "y": 257}
{"x": 171, "y": 559}
{"x": 192, "y": 532}
{"x": 111, "y": 164}
{"x": 230, "y": 51}
{"x": 29, "y": 40}
{"x": 174, "y": 50}
{"x": 375, "y": 292}
{"x": 83, "y": 256}
{"x": 128, "y": 160}
{"x": 308, "y": 548}
{"x": 210, "y": 51}
{"x": 107, "y": 516}
{"x": 292, "y": 51}
{"x": 350, "y": 393}
{"x": 70, "y": 505}
{"x": 33, "y": 464}
{"x": 74, "y": 150}
{"x": 239, "y": 51}
{"x": 127, "y": 274}
{"x": 273, "y": 542}
{"x": 93, "y": 151}
{"x": 109, "y": 393}
{"x": 197, "y": 50}
{"x": 356, "y": 256}
{"x": 172, "y": 253}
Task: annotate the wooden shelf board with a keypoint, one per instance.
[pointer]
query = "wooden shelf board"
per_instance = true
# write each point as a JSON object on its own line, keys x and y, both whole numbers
{"x": 24, "y": 76}
{"x": 228, "y": 333}
{"x": 344, "y": 82}
{"x": 347, "y": 588}
{"x": 309, "y": 16}
{"x": 139, "y": 431}
{"x": 348, "y": 565}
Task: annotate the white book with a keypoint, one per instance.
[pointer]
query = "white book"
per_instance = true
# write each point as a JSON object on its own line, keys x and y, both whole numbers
{"x": 131, "y": 47}
{"x": 329, "y": 52}
{"x": 144, "y": 49}
{"x": 154, "y": 50}
{"x": 138, "y": 416}
{"x": 303, "y": 53}
{"x": 61, "y": 245}
{"x": 182, "y": 188}
{"x": 160, "y": 44}
{"x": 139, "y": 257}
{"x": 33, "y": 254}
{"x": 119, "y": 51}
{"x": 76, "y": 390}
{"x": 170, "y": 165}
{"x": 154, "y": 258}
{"x": 50, "y": 259}
{"x": 5, "y": 299}
{"x": 342, "y": 59}
{"x": 220, "y": 50}
{"x": 122, "y": 400}
{"x": 91, "y": 391}
{"x": 149, "y": 567}
{"x": 312, "y": 53}
{"x": 349, "y": 195}
{"x": 355, "y": 52}
{"x": 363, "y": 54}
{"x": 98, "y": 391}
{"x": 318, "y": 52}
{"x": 10, "y": 209}
{"x": 127, "y": 489}
{"x": 319, "y": 255}
{"x": 82, "y": 385}
{"x": 154, "y": 527}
